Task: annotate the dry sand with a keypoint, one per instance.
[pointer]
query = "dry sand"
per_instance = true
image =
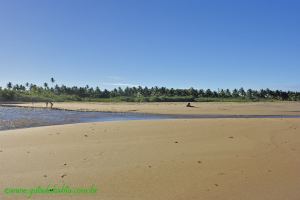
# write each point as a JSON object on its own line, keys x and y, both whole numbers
{"x": 259, "y": 108}
{"x": 209, "y": 159}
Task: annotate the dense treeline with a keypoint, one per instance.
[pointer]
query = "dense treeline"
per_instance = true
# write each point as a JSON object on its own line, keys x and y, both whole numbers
{"x": 32, "y": 92}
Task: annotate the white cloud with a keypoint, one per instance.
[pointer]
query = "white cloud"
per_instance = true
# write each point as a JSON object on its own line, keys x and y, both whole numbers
{"x": 122, "y": 84}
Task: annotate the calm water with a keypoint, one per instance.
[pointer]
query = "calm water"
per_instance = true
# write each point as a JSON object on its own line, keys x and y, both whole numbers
{"x": 13, "y": 117}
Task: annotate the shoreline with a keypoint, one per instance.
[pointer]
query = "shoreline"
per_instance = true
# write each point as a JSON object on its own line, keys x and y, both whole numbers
{"x": 173, "y": 108}
{"x": 14, "y": 123}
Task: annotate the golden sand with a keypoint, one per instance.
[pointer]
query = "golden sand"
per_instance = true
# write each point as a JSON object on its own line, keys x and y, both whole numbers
{"x": 209, "y": 159}
{"x": 258, "y": 108}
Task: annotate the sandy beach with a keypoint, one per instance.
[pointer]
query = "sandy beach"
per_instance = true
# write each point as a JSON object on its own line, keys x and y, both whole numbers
{"x": 207, "y": 159}
{"x": 149, "y": 100}
{"x": 230, "y": 108}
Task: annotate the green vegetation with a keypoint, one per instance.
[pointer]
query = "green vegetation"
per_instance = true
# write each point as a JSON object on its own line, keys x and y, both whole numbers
{"x": 34, "y": 93}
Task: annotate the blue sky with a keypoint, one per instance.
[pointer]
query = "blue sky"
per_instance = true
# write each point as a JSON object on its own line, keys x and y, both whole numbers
{"x": 203, "y": 44}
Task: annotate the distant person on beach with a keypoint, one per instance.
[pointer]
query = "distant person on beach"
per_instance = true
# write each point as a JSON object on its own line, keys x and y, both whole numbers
{"x": 51, "y": 104}
{"x": 189, "y": 105}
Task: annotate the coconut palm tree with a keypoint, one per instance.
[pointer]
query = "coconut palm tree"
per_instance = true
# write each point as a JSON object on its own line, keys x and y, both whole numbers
{"x": 9, "y": 85}
{"x": 52, "y": 81}
{"x": 46, "y": 85}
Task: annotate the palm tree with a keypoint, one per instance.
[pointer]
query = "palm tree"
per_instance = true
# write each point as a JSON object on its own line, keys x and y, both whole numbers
{"x": 46, "y": 85}
{"x": 9, "y": 85}
{"x": 52, "y": 81}
{"x": 235, "y": 93}
{"x": 242, "y": 92}
{"x": 208, "y": 93}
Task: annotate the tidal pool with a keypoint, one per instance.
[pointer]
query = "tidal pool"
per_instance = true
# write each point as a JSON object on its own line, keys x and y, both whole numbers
{"x": 17, "y": 117}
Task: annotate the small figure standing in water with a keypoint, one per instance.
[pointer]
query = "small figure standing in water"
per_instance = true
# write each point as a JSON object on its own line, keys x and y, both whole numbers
{"x": 51, "y": 104}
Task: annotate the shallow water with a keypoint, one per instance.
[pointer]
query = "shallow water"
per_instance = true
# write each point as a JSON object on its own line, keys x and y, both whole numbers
{"x": 16, "y": 117}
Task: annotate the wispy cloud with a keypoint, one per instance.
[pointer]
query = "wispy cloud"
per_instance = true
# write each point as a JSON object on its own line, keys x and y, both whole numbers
{"x": 122, "y": 84}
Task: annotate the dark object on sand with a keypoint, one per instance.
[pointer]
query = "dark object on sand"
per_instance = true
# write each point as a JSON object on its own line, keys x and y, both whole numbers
{"x": 189, "y": 105}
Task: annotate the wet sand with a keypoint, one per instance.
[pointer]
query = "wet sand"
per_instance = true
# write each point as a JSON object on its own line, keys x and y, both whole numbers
{"x": 207, "y": 159}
